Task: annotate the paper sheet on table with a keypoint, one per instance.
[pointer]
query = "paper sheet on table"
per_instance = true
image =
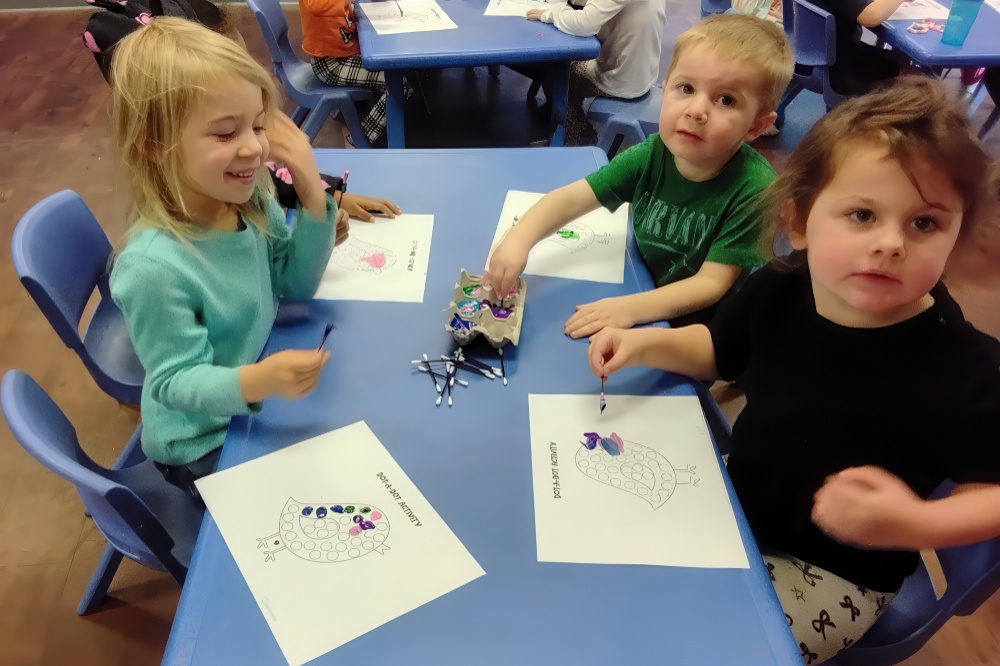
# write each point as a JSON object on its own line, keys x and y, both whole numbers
{"x": 916, "y": 10}
{"x": 518, "y": 7}
{"x": 384, "y": 260}
{"x": 995, "y": 4}
{"x": 661, "y": 502}
{"x": 390, "y": 18}
{"x": 333, "y": 539}
{"x": 591, "y": 247}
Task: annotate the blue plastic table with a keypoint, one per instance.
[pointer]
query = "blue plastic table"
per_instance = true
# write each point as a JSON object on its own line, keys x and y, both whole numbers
{"x": 981, "y": 47}
{"x": 479, "y": 40}
{"x": 472, "y": 461}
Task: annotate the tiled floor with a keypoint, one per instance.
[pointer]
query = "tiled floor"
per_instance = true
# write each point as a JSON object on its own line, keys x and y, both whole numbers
{"x": 53, "y": 135}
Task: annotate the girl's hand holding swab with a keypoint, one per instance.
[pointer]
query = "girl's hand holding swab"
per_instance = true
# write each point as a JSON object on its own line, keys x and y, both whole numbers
{"x": 288, "y": 374}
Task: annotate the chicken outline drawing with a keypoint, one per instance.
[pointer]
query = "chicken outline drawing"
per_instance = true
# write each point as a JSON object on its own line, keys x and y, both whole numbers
{"x": 327, "y": 532}
{"x": 359, "y": 255}
{"x": 577, "y": 237}
{"x": 633, "y": 468}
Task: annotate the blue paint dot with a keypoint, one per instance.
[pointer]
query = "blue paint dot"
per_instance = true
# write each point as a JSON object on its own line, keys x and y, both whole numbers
{"x": 336, "y": 508}
{"x": 321, "y": 512}
{"x": 307, "y": 511}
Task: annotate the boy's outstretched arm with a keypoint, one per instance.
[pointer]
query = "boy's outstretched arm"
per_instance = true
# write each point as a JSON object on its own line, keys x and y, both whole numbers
{"x": 687, "y": 351}
{"x": 869, "y": 507}
{"x": 703, "y": 289}
{"x": 878, "y": 11}
{"x": 551, "y": 213}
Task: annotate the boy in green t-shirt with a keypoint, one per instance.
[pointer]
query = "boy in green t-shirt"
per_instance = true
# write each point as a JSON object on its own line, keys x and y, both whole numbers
{"x": 693, "y": 186}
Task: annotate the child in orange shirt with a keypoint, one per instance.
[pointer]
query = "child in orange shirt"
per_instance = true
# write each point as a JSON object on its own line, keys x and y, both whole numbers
{"x": 330, "y": 36}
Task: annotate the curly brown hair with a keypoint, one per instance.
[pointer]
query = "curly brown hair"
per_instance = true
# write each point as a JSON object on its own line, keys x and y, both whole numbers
{"x": 914, "y": 118}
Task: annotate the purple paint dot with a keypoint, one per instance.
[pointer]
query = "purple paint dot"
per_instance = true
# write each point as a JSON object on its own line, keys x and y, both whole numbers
{"x": 358, "y": 519}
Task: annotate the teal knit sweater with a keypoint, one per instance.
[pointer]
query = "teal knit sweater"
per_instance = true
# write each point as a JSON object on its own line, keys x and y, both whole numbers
{"x": 197, "y": 312}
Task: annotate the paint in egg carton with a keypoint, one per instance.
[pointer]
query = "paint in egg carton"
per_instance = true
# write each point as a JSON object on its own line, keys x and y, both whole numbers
{"x": 475, "y": 310}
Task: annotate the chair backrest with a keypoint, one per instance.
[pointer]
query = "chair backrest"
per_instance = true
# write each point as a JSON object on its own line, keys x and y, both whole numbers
{"x": 123, "y": 518}
{"x": 60, "y": 254}
{"x": 714, "y": 6}
{"x": 274, "y": 27}
{"x": 972, "y": 574}
{"x": 813, "y": 35}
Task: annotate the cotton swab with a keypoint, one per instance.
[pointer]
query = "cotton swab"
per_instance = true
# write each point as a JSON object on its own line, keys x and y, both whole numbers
{"x": 502, "y": 368}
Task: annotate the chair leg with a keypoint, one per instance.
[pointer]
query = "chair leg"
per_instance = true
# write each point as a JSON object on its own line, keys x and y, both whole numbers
{"x": 97, "y": 589}
{"x": 786, "y": 99}
{"x": 299, "y": 115}
{"x": 493, "y": 70}
{"x": 533, "y": 89}
{"x": 353, "y": 122}
{"x": 990, "y": 122}
{"x": 316, "y": 118}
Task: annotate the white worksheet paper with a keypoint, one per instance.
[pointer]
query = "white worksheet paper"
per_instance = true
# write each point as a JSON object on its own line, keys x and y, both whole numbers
{"x": 916, "y": 10}
{"x": 995, "y": 4}
{"x": 333, "y": 539}
{"x": 384, "y": 260}
{"x": 591, "y": 247}
{"x": 660, "y": 502}
{"x": 391, "y": 18}
{"x": 518, "y": 7}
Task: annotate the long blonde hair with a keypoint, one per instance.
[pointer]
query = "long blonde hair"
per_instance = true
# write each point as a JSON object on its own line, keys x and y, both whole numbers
{"x": 160, "y": 72}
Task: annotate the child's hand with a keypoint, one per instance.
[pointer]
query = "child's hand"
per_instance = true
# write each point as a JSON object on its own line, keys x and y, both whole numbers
{"x": 867, "y": 507}
{"x": 610, "y": 351}
{"x": 343, "y": 227}
{"x": 361, "y": 208}
{"x": 289, "y": 145}
{"x": 506, "y": 265}
{"x": 592, "y": 317}
{"x": 534, "y": 14}
{"x": 288, "y": 374}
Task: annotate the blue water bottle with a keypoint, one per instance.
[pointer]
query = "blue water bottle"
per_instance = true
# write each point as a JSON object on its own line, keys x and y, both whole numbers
{"x": 960, "y": 19}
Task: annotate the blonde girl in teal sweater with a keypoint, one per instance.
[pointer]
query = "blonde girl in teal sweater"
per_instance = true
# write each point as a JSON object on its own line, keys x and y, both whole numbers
{"x": 193, "y": 120}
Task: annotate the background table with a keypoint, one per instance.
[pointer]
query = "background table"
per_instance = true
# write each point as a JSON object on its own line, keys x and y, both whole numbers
{"x": 479, "y": 40}
{"x": 981, "y": 47}
{"x": 472, "y": 461}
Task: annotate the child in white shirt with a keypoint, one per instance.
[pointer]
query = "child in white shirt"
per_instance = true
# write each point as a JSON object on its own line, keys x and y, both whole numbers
{"x": 630, "y": 32}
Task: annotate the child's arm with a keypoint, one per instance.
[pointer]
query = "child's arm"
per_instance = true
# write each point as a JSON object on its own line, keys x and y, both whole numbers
{"x": 584, "y": 22}
{"x": 366, "y": 208}
{"x": 703, "y": 289}
{"x": 288, "y": 144}
{"x": 868, "y": 507}
{"x": 877, "y": 12}
{"x": 685, "y": 351}
{"x": 551, "y": 213}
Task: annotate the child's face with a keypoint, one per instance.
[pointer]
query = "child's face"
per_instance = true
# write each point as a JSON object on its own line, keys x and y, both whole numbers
{"x": 710, "y": 107}
{"x": 875, "y": 247}
{"x": 222, "y": 146}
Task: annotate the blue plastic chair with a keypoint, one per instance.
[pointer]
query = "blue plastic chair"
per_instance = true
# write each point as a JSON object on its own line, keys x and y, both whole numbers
{"x": 61, "y": 255}
{"x": 632, "y": 119}
{"x": 813, "y": 37}
{"x": 138, "y": 512}
{"x": 315, "y": 100}
{"x": 709, "y": 7}
{"x": 991, "y": 81}
{"x": 972, "y": 574}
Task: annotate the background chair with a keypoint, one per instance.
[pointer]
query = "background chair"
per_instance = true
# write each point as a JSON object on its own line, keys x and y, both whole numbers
{"x": 991, "y": 81}
{"x": 632, "y": 119}
{"x": 315, "y": 100}
{"x": 714, "y": 6}
{"x": 138, "y": 512}
{"x": 813, "y": 37}
{"x": 61, "y": 254}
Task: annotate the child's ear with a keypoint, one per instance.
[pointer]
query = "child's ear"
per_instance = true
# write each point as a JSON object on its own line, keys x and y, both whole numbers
{"x": 795, "y": 229}
{"x": 760, "y": 123}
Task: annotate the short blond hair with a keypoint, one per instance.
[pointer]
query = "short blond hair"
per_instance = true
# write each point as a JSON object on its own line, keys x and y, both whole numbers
{"x": 759, "y": 44}
{"x": 160, "y": 72}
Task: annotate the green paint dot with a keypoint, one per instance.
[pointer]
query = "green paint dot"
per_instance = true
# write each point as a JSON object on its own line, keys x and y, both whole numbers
{"x": 349, "y": 509}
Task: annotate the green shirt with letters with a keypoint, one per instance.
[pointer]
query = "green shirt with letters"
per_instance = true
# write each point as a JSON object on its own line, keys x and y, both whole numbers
{"x": 680, "y": 224}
